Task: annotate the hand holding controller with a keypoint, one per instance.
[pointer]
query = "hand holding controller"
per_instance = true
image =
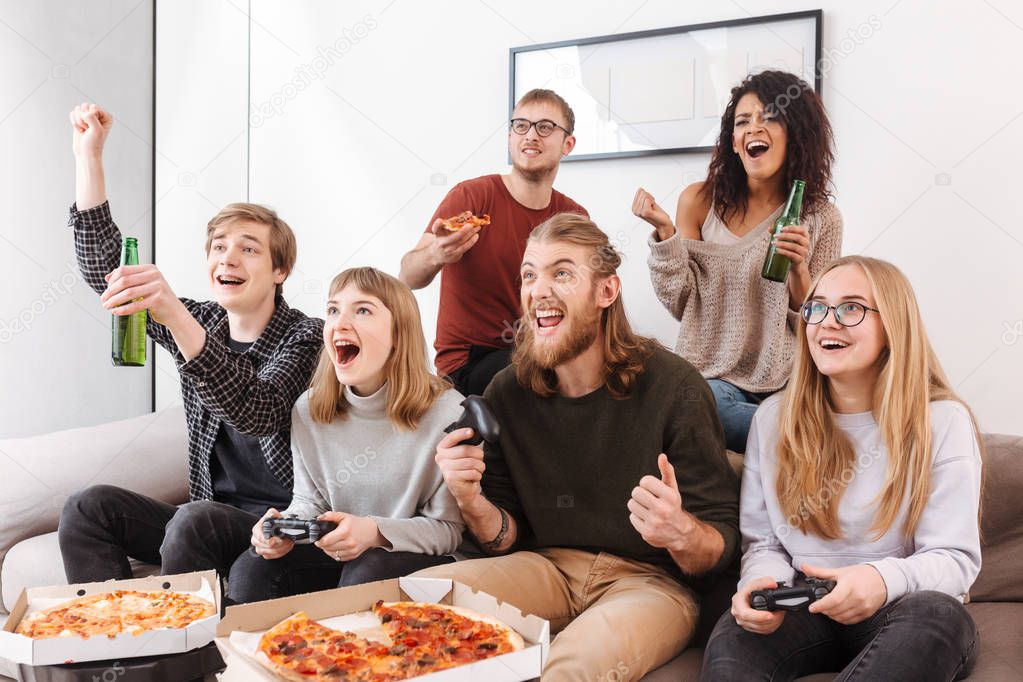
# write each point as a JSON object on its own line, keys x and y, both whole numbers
{"x": 477, "y": 416}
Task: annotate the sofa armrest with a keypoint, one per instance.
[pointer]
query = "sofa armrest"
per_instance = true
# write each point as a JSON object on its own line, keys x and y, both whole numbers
{"x": 147, "y": 454}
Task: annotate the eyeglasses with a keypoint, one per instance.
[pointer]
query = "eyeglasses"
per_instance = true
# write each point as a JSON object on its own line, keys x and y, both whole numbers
{"x": 848, "y": 314}
{"x": 521, "y": 126}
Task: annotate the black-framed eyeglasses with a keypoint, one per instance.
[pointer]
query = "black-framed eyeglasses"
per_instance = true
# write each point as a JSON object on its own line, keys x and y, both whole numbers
{"x": 544, "y": 127}
{"x": 848, "y": 314}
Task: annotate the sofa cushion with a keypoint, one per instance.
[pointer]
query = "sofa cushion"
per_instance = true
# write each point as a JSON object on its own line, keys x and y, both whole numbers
{"x": 1002, "y": 551}
{"x": 32, "y": 562}
{"x": 148, "y": 454}
{"x": 1001, "y": 641}
{"x": 686, "y": 668}
{"x": 35, "y": 562}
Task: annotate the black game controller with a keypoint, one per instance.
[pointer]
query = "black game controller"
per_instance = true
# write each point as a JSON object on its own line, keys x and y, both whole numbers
{"x": 477, "y": 416}
{"x": 299, "y": 531}
{"x": 790, "y": 598}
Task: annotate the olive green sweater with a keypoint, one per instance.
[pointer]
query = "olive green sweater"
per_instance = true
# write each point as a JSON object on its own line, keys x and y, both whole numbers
{"x": 565, "y": 467}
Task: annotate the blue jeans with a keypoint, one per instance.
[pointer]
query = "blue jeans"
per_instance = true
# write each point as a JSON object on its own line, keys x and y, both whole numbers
{"x": 920, "y": 636}
{"x": 735, "y": 410}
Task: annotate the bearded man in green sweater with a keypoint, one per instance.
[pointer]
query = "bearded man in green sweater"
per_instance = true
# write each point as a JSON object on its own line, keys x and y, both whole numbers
{"x": 609, "y": 489}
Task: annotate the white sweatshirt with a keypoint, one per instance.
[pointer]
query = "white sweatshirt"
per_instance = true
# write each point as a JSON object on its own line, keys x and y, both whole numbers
{"x": 944, "y": 552}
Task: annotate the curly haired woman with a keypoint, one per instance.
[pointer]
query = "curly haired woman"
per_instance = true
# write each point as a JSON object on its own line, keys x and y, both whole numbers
{"x": 738, "y": 328}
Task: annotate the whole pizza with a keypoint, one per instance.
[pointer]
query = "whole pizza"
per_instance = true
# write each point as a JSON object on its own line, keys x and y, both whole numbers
{"x": 116, "y": 612}
{"x": 413, "y": 639}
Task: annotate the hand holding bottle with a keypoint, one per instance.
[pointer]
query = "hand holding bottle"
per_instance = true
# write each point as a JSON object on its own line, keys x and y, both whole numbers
{"x": 793, "y": 242}
{"x": 778, "y": 260}
{"x": 131, "y": 288}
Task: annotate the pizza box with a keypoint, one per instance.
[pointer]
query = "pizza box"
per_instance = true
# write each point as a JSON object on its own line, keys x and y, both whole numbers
{"x": 197, "y": 664}
{"x": 526, "y": 664}
{"x": 24, "y": 650}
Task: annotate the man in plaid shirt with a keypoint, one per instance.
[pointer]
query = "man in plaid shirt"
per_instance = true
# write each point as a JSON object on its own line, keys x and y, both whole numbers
{"x": 243, "y": 360}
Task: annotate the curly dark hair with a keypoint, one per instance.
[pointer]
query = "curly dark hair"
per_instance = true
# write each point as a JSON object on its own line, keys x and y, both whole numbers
{"x": 808, "y": 156}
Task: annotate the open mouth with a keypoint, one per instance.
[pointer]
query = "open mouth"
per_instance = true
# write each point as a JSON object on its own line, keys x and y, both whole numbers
{"x": 548, "y": 318}
{"x": 345, "y": 352}
{"x": 832, "y": 344}
{"x": 757, "y": 148}
{"x": 531, "y": 152}
{"x": 229, "y": 281}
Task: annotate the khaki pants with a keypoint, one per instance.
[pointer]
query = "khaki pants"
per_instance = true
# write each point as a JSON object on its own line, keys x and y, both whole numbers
{"x": 615, "y": 619}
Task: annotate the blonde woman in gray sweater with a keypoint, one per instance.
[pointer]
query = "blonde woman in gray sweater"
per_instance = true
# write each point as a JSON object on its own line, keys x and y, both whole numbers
{"x": 866, "y": 470}
{"x": 738, "y": 328}
{"x": 363, "y": 440}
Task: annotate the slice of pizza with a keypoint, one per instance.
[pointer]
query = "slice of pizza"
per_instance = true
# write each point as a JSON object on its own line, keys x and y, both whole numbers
{"x": 300, "y": 649}
{"x": 446, "y": 635}
{"x": 465, "y": 219}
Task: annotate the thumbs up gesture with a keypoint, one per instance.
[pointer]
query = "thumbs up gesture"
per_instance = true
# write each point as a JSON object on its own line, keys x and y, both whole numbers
{"x": 656, "y": 511}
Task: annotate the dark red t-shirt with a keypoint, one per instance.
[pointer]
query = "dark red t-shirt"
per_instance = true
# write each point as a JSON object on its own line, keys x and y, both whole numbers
{"x": 479, "y": 295}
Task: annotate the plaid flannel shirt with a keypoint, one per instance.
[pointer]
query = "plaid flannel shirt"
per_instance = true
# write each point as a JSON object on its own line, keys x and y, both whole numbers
{"x": 252, "y": 391}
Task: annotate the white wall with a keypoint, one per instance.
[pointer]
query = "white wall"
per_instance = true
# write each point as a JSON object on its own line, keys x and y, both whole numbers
{"x": 201, "y": 137}
{"x": 925, "y": 113}
{"x": 54, "y": 336}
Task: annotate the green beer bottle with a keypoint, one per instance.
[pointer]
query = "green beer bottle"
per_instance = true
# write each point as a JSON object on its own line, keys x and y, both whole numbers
{"x": 776, "y": 266}
{"x": 128, "y": 335}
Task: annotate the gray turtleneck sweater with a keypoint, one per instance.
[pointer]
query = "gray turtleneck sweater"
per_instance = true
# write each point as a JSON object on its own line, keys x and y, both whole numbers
{"x": 363, "y": 464}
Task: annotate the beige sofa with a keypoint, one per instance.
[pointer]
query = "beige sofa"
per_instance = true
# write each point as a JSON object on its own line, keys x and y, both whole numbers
{"x": 149, "y": 454}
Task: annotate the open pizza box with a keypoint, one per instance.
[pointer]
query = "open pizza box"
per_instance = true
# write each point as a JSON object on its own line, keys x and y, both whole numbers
{"x": 241, "y": 627}
{"x": 21, "y": 649}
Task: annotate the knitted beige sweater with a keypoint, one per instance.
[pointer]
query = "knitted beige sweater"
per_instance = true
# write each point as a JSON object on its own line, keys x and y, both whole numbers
{"x": 736, "y": 325}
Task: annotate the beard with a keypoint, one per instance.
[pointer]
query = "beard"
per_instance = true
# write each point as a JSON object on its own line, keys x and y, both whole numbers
{"x": 580, "y": 335}
{"x": 535, "y": 174}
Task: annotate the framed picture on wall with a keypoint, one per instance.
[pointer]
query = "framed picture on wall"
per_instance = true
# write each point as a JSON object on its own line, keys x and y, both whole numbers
{"x": 663, "y": 91}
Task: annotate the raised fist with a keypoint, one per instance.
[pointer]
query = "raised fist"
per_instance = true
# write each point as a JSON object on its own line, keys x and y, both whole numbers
{"x": 90, "y": 125}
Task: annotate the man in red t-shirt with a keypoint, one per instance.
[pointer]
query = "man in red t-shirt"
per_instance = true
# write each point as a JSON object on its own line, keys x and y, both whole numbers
{"x": 479, "y": 289}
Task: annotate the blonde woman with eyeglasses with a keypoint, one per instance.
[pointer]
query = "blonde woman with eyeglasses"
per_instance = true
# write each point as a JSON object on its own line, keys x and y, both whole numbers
{"x": 865, "y": 471}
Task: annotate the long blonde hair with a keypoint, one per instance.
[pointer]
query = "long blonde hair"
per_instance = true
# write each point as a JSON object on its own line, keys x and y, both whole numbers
{"x": 815, "y": 457}
{"x": 625, "y": 352}
{"x": 411, "y": 388}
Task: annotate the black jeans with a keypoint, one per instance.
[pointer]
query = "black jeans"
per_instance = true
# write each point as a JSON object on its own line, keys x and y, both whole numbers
{"x": 307, "y": 568}
{"x": 925, "y": 636}
{"x": 484, "y": 362}
{"x": 103, "y": 525}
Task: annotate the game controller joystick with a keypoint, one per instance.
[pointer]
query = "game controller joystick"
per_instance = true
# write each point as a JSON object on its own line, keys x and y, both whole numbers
{"x": 790, "y": 598}
{"x": 299, "y": 531}
{"x": 477, "y": 416}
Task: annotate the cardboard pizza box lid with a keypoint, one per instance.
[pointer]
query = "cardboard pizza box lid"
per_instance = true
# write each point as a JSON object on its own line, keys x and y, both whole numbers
{"x": 258, "y": 617}
{"x": 24, "y": 650}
